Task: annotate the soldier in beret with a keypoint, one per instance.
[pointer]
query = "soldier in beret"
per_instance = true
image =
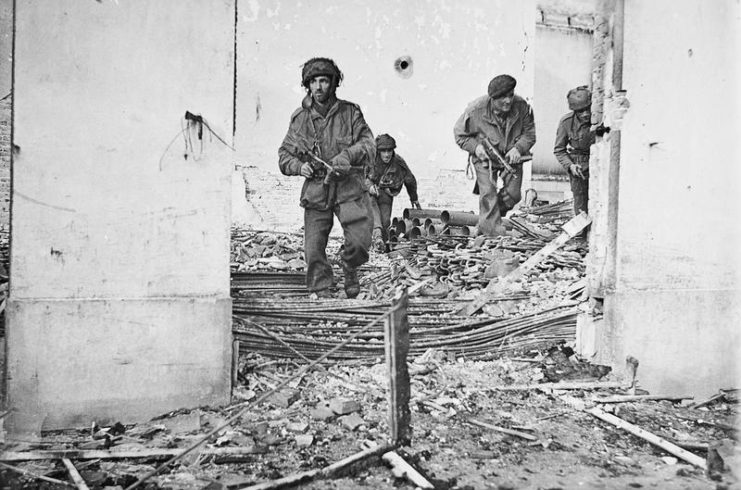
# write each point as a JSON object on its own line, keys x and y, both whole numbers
{"x": 573, "y": 140}
{"x": 386, "y": 177}
{"x": 335, "y": 131}
{"x": 507, "y": 122}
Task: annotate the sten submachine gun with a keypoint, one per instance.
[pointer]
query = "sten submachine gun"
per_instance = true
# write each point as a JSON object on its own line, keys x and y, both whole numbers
{"x": 498, "y": 161}
{"x": 319, "y": 167}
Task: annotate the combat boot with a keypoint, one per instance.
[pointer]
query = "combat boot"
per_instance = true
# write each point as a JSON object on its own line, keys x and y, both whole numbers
{"x": 352, "y": 284}
{"x": 377, "y": 241}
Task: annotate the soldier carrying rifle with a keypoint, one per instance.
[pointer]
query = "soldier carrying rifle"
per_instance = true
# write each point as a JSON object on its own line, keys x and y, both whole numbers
{"x": 502, "y": 123}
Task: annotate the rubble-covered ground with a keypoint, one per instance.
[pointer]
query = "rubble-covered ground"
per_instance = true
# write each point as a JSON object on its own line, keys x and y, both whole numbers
{"x": 462, "y": 404}
{"x": 298, "y": 430}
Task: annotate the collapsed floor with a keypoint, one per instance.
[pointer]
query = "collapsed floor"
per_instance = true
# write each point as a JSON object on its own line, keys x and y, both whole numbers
{"x": 499, "y": 400}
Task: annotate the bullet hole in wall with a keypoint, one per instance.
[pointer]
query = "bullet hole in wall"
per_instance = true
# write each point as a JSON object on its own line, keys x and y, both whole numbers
{"x": 404, "y": 66}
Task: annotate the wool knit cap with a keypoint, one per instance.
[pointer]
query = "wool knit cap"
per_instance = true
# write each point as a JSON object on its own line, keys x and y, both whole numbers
{"x": 385, "y": 142}
{"x": 500, "y": 85}
{"x": 579, "y": 98}
{"x": 320, "y": 66}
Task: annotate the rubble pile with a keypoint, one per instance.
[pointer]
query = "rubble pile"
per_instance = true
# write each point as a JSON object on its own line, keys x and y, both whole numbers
{"x": 476, "y": 424}
{"x": 275, "y": 316}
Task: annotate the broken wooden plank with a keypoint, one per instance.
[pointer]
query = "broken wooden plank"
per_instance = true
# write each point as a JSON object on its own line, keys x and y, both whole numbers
{"x": 158, "y": 453}
{"x": 503, "y": 430}
{"x": 75, "y": 475}
{"x": 36, "y": 476}
{"x": 667, "y": 446}
{"x": 640, "y": 398}
{"x": 708, "y": 401}
{"x": 396, "y": 340}
{"x": 570, "y": 230}
{"x": 563, "y": 386}
{"x": 401, "y": 469}
{"x": 325, "y": 472}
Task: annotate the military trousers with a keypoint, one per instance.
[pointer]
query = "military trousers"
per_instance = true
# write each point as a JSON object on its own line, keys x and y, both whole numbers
{"x": 493, "y": 203}
{"x": 382, "y": 205}
{"x": 356, "y": 219}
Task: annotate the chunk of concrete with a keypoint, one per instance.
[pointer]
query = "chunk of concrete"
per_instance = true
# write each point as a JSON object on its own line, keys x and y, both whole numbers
{"x": 284, "y": 398}
{"x": 304, "y": 440}
{"x": 322, "y": 412}
{"x": 352, "y": 421}
{"x": 344, "y": 406}
{"x": 299, "y": 427}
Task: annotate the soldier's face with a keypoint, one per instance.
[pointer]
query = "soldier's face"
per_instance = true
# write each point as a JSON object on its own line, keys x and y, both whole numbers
{"x": 503, "y": 104}
{"x": 386, "y": 155}
{"x": 321, "y": 88}
{"x": 584, "y": 115}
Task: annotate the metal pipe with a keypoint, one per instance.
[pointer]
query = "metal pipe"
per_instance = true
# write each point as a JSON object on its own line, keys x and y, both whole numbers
{"x": 432, "y": 221}
{"x": 410, "y": 213}
{"x": 459, "y": 218}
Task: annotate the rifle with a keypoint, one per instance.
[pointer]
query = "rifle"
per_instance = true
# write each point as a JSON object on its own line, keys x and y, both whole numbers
{"x": 495, "y": 156}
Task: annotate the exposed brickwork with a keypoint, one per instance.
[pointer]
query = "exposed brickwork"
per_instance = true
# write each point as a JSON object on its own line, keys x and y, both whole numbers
{"x": 269, "y": 200}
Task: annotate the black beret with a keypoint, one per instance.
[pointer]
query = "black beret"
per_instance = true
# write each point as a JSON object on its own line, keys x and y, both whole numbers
{"x": 320, "y": 66}
{"x": 500, "y": 85}
{"x": 385, "y": 142}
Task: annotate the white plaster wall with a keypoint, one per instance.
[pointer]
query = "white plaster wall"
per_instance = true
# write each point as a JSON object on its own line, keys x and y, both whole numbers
{"x": 119, "y": 298}
{"x": 456, "y": 48}
{"x": 677, "y": 293}
{"x": 563, "y": 60}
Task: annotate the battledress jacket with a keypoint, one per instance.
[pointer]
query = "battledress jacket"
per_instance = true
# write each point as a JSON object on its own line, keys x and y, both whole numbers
{"x": 518, "y": 130}
{"x": 393, "y": 176}
{"x": 573, "y": 141}
{"x": 342, "y": 133}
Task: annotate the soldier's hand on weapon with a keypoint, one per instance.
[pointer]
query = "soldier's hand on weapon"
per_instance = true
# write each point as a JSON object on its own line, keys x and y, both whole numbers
{"x": 340, "y": 166}
{"x": 513, "y": 156}
{"x": 307, "y": 170}
{"x": 481, "y": 153}
{"x": 416, "y": 205}
{"x": 373, "y": 190}
{"x": 577, "y": 171}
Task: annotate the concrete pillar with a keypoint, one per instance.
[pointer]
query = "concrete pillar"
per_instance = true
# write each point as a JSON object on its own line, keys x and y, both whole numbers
{"x": 119, "y": 299}
{"x": 673, "y": 300}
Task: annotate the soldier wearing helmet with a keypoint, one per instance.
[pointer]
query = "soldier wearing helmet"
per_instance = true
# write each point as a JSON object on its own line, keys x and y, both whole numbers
{"x": 335, "y": 131}
{"x": 574, "y": 137}
{"x": 506, "y": 120}
{"x": 386, "y": 177}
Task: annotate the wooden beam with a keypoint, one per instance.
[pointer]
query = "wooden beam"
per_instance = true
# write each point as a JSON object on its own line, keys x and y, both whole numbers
{"x": 640, "y": 398}
{"x": 563, "y": 386}
{"x": 667, "y": 446}
{"x": 396, "y": 340}
{"x": 31, "y": 474}
{"x": 325, "y": 472}
{"x": 401, "y": 469}
{"x": 97, "y": 454}
{"x": 75, "y": 475}
{"x": 503, "y": 430}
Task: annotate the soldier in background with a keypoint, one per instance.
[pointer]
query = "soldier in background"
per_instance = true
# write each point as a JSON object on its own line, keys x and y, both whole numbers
{"x": 327, "y": 129}
{"x": 506, "y": 122}
{"x": 386, "y": 177}
{"x": 573, "y": 140}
